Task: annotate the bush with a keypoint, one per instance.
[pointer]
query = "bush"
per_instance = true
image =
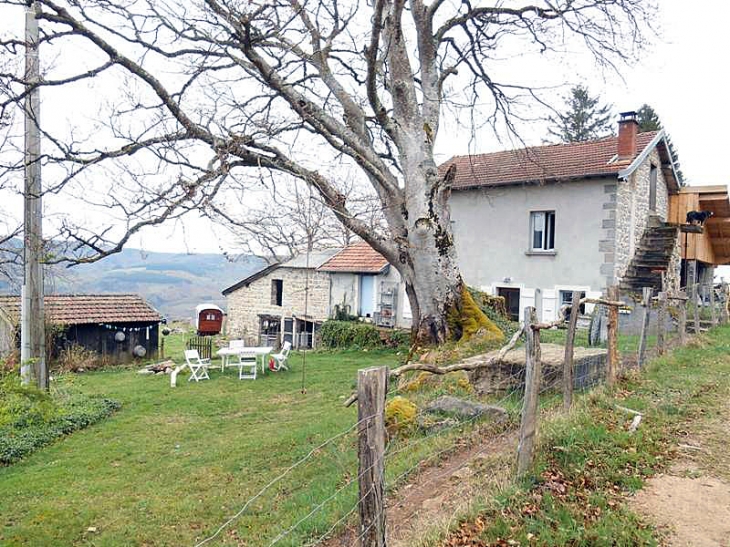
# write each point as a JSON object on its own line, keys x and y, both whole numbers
{"x": 30, "y": 418}
{"x": 76, "y": 357}
{"x": 400, "y": 415}
{"x": 350, "y": 335}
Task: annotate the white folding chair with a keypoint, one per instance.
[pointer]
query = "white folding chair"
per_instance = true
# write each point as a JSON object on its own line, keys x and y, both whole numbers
{"x": 198, "y": 367}
{"x": 232, "y": 345}
{"x": 247, "y": 361}
{"x": 281, "y": 357}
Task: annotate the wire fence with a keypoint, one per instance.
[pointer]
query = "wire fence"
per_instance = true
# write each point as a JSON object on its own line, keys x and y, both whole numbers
{"x": 335, "y": 493}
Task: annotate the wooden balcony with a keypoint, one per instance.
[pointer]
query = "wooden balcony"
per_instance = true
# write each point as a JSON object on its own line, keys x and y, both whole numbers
{"x": 710, "y": 245}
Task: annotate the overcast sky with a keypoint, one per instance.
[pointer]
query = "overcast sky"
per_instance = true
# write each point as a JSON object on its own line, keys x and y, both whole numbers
{"x": 683, "y": 77}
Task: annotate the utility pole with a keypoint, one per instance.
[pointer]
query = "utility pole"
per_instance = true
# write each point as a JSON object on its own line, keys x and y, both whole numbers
{"x": 32, "y": 329}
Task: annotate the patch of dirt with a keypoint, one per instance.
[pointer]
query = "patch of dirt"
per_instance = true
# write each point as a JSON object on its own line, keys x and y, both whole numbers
{"x": 691, "y": 503}
{"x": 437, "y": 492}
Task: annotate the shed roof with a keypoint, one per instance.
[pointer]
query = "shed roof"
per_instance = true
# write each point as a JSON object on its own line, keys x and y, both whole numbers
{"x": 356, "y": 258}
{"x": 551, "y": 163}
{"x": 80, "y": 309}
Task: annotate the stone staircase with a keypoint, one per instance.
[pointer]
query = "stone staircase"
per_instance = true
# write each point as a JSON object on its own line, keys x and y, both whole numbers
{"x": 651, "y": 257}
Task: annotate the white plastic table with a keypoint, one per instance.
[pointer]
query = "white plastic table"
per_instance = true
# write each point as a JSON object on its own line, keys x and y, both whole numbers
{"x": 226, "y": 353}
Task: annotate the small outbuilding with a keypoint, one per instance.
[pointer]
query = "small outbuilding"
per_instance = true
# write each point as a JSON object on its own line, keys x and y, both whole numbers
{"x": 208, "y": 319}
{"x": 119, "y": 327}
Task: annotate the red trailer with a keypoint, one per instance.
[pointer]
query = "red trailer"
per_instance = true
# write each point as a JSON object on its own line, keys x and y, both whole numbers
{"x": 208, "y": 319}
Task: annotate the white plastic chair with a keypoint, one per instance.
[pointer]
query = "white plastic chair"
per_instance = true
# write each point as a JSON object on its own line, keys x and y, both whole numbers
{"x": 247, "y": 361}
{"x": 281, "y": 357}
{"x": 198, "y": 367}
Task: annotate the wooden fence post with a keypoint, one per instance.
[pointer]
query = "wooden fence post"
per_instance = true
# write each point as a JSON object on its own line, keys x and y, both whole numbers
{"x": 613, "y": 355}
{"x": 661, "y": 339}
{"x": 724, "y": 313}
{"x": 533, "y": 375}
{"x": 682, "y": 326}
{"x": 646, "y": 304}
{"x": 694, "y": 297}
{"x": 372, "y": 387}
{"x": 713, "y": 310}
{"x": 568, "y": 360}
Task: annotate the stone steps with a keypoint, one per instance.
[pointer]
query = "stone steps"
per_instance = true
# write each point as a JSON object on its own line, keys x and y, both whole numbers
{"x": 650, "y": 258}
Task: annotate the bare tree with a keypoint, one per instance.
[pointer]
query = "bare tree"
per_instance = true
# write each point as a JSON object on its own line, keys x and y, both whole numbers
{"x": 286, "y": 220}
{"x": 214, "y": 89}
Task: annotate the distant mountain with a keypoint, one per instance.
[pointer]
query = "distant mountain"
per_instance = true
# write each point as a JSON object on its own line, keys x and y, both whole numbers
{"x": 172, "y": 282}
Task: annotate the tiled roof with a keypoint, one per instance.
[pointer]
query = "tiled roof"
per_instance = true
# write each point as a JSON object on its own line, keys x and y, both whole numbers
{"x": 314, "y": 260}
{"x": 540, "y": 164}
{"x": 79, "y": 309}
{"x": 356, "y": 258}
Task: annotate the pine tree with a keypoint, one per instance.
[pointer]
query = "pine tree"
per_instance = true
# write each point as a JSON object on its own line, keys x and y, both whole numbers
{"x": 649, "y": 121}
{"x": 584, "y": 119}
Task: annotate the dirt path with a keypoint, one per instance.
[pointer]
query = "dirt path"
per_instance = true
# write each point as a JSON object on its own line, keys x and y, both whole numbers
{"x": 439, "y": 490}
{"x": 691, "y": 503}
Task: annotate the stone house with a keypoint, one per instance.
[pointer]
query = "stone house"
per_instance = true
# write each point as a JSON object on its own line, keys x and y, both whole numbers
{"x": 534, "y": 225}
{"x": 290, "y": 301}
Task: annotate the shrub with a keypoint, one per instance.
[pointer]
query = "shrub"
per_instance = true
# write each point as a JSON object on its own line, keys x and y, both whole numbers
{"x": 400, "y": 415}
{"x": 30, "y": 418}
{"x": 76, "y": 357}
{"x": 350, "y": 334}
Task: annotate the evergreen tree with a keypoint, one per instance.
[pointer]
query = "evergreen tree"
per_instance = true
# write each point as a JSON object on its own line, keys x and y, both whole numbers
{"x": 649, "y": 121}
{"x": 584, "y": 119}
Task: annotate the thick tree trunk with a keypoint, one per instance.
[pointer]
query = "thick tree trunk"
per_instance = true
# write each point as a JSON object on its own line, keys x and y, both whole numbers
{"x": 428, "y": 264}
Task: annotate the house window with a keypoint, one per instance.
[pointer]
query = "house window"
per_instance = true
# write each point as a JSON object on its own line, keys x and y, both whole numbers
{"x": 652, "y": 188}
{"x": 277, "y": 290}
{"x": 566, "y": 299}
{"x": 542, "y": 228}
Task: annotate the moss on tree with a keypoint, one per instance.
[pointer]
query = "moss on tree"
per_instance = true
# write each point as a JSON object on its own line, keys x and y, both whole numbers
{"x": 466, "y": 319}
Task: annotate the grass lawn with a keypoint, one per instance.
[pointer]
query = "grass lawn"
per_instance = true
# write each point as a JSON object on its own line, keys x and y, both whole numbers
{"x": 589, "y": 463}
{"x": 173, "y": 464}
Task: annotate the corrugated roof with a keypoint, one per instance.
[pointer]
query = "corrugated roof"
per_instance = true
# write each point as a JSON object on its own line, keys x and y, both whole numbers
{"x": 541, "y": 164}
{"x": 315, "y": 259}
{"x": 356, "y": 258}
{"x": 79, "y": 309}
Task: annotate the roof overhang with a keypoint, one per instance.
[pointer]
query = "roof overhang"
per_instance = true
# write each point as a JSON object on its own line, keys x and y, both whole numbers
{"x": 669, "y": 164}
{"x": 717, "y": 227}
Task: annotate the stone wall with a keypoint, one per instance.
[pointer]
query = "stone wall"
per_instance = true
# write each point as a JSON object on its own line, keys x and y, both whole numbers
{"x": 632, "y": 210}
{"x": 247, "y": 303}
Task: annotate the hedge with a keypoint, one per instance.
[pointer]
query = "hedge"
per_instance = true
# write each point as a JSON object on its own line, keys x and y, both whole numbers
{"x": 350, "y": 334}
{"x": 30, "y": 419}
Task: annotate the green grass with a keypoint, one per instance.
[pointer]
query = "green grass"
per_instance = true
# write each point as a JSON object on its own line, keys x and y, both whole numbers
{"x": 173, "y": 464}
{"x": 588, "y": 461}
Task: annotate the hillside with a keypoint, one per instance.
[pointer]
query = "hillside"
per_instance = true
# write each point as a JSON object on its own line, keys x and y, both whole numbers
{"x": 172, "y": 282}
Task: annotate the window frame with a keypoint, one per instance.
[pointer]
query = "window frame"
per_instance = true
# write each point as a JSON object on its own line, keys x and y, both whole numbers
{"x": 547, "y": 232}
{"x": 277, "y": 292}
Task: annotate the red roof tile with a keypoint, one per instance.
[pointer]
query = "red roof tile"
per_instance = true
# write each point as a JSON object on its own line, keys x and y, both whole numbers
{"x": 356, "y": 258}
{"x": 79, "y": 309}
{"x": 542, "y": 163}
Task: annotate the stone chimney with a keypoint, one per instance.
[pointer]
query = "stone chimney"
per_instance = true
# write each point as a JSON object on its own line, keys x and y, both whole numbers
{"x": 628, "y": 128}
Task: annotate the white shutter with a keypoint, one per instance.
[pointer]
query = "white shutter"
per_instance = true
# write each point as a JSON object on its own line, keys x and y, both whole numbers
{"x": 592, "y": 294}
{"x": 549, "y": 306}
{"x": 527, "y": 298}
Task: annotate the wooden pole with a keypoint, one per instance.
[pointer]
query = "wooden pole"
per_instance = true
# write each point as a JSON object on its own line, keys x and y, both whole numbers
{"x": 533, "y": 373}
{"x": 613, "y": 355}
{"x": 713, "y": 310}
{"x": 682, "y": 326}
{"x": 568, "y": 360}
{"x": 372, "y": 387}
{"x": 695, "y": 309}
{"x": 646, "y": 304}
{"x": 661, "y": 339}
{"x": 33, "y": 336}
{"x": 724, "y": 312}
